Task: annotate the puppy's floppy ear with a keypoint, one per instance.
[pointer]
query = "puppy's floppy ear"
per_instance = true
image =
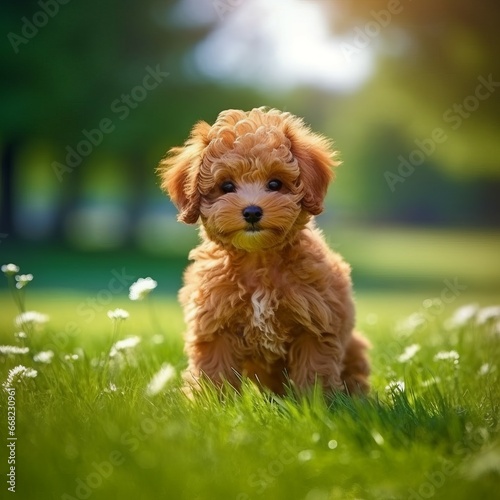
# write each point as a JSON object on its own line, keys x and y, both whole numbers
{"x": 179, "y": 173}
{"x": 316, "y": 160}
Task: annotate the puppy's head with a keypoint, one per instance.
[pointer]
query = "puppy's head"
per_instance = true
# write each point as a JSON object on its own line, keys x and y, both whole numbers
{"x": 253, "y": 178}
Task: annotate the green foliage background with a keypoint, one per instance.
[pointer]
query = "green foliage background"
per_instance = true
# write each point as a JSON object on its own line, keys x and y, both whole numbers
{"x": 65, "y": 79}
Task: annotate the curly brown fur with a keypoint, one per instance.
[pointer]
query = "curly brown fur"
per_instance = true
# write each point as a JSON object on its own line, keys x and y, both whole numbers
{"x": 264, "y": 297}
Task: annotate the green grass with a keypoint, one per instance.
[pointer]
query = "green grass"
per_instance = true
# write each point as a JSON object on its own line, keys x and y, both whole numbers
{"x": 416, "y": 258}
{"x": 86, "y": 428}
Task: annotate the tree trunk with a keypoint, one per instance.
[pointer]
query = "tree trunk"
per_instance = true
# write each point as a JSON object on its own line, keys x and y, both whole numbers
{"x": 8, "y": 153}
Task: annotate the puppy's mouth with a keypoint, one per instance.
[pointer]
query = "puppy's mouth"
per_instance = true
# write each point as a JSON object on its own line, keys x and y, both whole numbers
{"x": 253, "y": 228}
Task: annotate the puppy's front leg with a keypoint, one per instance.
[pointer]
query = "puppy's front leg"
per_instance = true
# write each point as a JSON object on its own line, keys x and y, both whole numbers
{"x": 312, "y": 358}
{"x": 214, "y": 359}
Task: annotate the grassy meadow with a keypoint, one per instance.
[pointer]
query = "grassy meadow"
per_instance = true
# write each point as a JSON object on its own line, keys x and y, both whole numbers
{"x": 103, "y": 416}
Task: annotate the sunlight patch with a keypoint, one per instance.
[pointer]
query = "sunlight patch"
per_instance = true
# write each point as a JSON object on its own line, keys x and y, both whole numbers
{"x": 282, "y": 46}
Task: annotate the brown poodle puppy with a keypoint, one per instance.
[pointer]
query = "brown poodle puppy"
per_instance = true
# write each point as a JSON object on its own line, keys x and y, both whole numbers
{"x": 264, "y": 297}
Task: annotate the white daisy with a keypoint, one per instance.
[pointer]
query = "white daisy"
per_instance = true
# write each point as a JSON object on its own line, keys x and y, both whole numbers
{"x": 44, "y": 357}
{"x": 118, "y": 314}
{"x": 487, "y": 313}
{"x": 10, "y": 269}
{"x": 30, "y": 318}
{"x": 19, "y": 372}
{"x": 463, "y": 315}
{"x": 23, "y": 280}
{"x": 431, "y": 381}
{"x": 141, "y": 288}
{"x": 447, "y": 356}
{"x": 486, "y": 368}
{"x": 164, "y": 375}
{"x": 408, "y": 353}
{"x": 395, "y": 386}
{"x": 13, "y": 349}
{"x": 122, "y": 345}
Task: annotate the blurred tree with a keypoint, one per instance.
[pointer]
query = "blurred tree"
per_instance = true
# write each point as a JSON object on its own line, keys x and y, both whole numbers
{"x": 438, "y": 68}
{"x": 76, "y": 72}
{"x": 66, "y": 68}
{"x": 107, "y": 77}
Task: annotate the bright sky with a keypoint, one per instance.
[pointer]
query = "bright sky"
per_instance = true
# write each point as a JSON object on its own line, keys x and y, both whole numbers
{"x": 276, "y": 44}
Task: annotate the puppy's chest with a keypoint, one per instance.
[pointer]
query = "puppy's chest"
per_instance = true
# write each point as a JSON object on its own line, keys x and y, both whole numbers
{"x": 265, "y": 319}
{"x": 266, "y": 307}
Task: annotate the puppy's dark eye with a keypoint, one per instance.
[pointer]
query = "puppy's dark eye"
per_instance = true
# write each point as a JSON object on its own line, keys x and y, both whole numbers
{"x": 228, "y": 187}
{"x": 274, "y": 185}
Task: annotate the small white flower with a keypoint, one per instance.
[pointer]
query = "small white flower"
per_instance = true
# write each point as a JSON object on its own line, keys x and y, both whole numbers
{"x": 13, "y": 349}
{"x": 20, "y": 335}
{"x": 395, "y": 386}
{"x": 44, "y": 357}
{"x": 111, "y": 388}
{"x": 10, "y": 269}
{"x": 463, "y": 315}
{"x": 485, "y": 369}
{"x": 71, "y": 357}
{"x": 487, "y": 313}
{"x": 23, "y": 280}
{"x": 122, "y": 345}
{"x": 118, "y": 314}
{"x": 30, "y": 318}
{"x": 431, "y": 381}
{"x": 305, "y": 455}
{"x": 164, "y": 375}
{"x": 447, "y": 356}
{"x": 408, "y": 353}
{"x": 141, "y": 288}
{"x": 19, "y": 372}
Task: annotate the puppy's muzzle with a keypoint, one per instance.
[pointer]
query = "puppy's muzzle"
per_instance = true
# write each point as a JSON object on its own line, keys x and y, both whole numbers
{"x": 252, "y": 214}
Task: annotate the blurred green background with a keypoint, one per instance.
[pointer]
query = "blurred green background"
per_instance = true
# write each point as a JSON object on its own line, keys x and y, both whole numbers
{"x": 93, "y": 93}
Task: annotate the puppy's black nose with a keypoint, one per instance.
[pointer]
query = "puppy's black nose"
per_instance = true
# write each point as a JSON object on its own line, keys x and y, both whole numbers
{"x": 252, "y": 214}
